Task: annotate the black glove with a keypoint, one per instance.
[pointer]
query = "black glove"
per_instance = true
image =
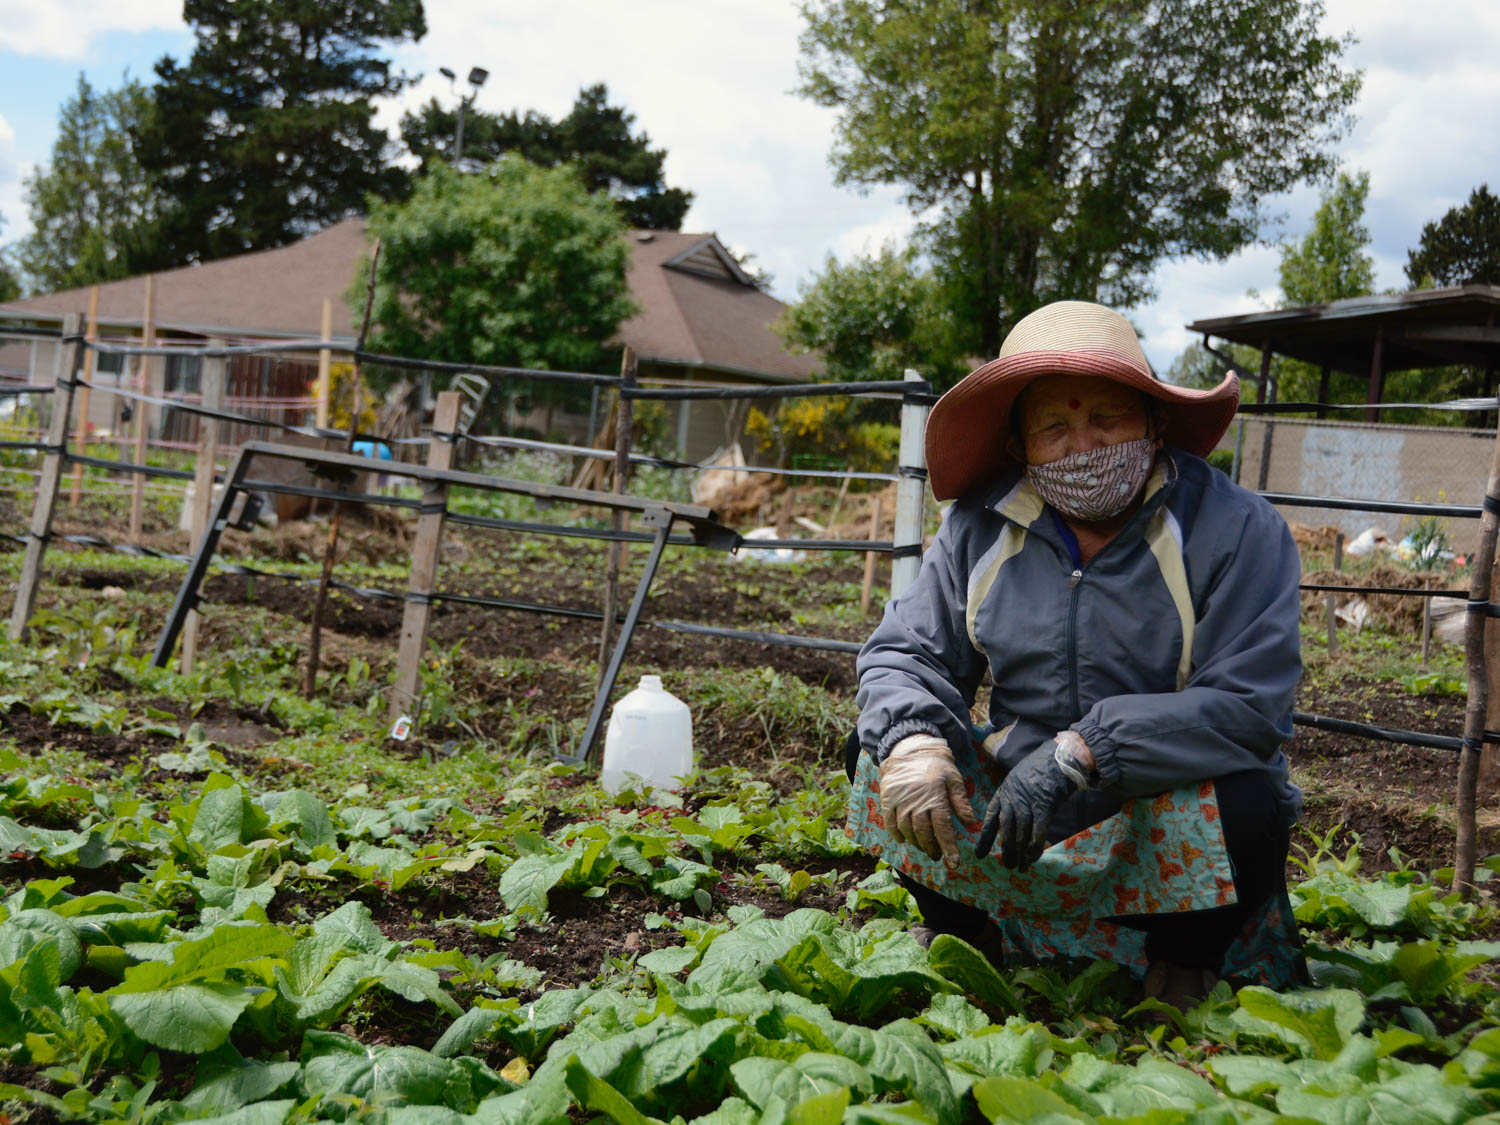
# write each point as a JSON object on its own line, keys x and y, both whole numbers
{"x": 1023, "y": 807}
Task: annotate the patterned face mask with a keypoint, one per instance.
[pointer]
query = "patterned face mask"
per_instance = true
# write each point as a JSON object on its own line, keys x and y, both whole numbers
{"x": 1097, "y": 483}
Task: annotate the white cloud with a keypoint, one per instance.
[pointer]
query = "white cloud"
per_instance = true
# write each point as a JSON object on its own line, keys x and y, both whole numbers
{"x": 11, "y": 204}
{"x": 64, "y": 29}
{"x": 710, "y": 83}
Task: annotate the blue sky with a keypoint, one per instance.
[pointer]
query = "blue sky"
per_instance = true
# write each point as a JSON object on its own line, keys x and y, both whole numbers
{"x": 710, "y": 80}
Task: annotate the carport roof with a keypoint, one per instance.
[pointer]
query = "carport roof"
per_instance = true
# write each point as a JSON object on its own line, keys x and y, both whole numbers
{"x": 1423, "y": 328}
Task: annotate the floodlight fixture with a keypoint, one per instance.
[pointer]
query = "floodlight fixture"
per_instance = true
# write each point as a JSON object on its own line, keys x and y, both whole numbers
{"x": 477, "y": 75}
{"x": 446, "y": 73}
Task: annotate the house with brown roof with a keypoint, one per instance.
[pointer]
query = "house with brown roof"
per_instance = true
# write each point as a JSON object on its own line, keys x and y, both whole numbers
{"x": 702, "y": 319}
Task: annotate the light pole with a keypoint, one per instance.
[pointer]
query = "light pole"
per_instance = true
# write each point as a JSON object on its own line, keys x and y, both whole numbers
{"x": 477, "y": 76}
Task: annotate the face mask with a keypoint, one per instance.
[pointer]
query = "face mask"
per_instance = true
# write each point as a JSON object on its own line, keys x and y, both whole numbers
{"x": 1097, "y": 483}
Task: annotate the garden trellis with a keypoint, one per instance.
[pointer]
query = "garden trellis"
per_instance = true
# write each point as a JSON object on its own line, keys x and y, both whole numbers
{"x": 915, "y": 397}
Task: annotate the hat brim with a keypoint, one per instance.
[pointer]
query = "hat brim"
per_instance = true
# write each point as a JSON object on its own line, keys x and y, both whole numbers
{"x": 968, "y": 431}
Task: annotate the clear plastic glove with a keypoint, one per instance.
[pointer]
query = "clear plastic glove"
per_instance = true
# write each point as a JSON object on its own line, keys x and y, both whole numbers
{"x": 920, "y": 791}
{"x": 1024, "y": 805}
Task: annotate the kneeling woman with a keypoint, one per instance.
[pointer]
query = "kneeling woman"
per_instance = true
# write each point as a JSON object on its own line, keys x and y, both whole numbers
{"x": 1137, "y": 613}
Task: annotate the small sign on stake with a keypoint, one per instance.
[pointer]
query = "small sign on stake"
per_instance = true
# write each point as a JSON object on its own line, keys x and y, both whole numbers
{"x": 401, "y": 728}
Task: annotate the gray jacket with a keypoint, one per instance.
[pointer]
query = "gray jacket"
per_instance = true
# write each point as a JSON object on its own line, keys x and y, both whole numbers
{"x": 1174, "y": 652}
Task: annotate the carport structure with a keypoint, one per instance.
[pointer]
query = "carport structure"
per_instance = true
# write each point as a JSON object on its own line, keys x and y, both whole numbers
{"x": 1373, "y": 336}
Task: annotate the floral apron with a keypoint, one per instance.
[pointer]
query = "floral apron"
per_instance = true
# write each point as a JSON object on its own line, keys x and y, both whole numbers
{"x": 1158, "y": 855}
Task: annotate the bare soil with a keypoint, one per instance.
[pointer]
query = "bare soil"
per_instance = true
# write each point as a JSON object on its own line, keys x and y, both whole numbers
{"x": 1388, "y": 796}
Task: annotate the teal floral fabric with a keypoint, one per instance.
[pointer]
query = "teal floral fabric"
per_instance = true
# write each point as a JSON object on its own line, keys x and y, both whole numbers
{"x": 1157, "y": 855}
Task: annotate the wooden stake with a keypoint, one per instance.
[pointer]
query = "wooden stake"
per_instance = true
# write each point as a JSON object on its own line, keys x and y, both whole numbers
{"x": 47, "y": 486}
{"x": 1469, "y": 758}
{"x": 325, "y": 366}
{"x": 404, "y": 698}
{"x": 82, "y": 438}
{"x": 624, "y": 422}
{"x": 1426, "y": 630}
{"x": 870, "y": 558}
{"x": 833, "y": 516}
{"x": 1332, "y": 600}
{"x": 212, "y": 383}
{"x": 142, "y": 386}
{"x": 330, "y": 550}
{"x": 788, "y": 510}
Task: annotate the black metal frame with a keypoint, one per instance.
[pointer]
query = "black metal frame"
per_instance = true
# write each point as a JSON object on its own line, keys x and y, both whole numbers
{"x": 659, "y": 515}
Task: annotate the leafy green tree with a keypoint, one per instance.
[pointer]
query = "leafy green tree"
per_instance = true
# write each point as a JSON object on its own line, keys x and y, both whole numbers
{"x": 595, "y": 137}
{"x": 10, "y": 281}
{"x": 517, "y": 266}
{"x": 93, "y": 209}
{"x": 1330, "y": 262}
{"x": 267, "y": 133}
{"x": 1462, "y": 247}
{"x": 1067, "y": 149}
{"x": 872, "y": 317}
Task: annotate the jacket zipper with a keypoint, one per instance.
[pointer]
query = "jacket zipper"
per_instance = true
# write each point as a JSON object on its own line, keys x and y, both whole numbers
{"x": 1073, "y": 582}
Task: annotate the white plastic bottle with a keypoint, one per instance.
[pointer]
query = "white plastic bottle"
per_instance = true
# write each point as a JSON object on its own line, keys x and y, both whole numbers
{"x": 650, "y": 733}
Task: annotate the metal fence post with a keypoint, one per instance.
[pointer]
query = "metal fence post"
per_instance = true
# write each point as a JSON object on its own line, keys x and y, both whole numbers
{"x": 212, "y": 384}
{"x": 47, "y": 485}
{"x": 911, "y": 494}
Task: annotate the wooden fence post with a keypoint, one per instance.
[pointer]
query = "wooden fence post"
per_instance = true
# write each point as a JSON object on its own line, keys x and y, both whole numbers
{"x": 870, "y": 558}
{"x": 51, "y": 478}
{"x": 142, "y": 386}
{"x": 424, "y": 560}
{"x": 82, "y": 440}
{"x": 624, "y": 423}
{"x": 911, "y": 494}
{"x": 325, "y": 367}
{"x": 212, "y": 383}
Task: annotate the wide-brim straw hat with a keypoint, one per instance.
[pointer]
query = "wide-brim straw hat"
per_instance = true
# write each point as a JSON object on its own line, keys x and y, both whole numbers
{"x": 968, "y": 431}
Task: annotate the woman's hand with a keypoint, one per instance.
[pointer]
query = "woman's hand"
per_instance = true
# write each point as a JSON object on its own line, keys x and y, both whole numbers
{"x": 1025, "y": 804}
{"x": 920, "y": 791}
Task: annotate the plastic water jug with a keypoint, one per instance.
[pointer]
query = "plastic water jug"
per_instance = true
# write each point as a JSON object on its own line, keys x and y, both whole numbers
{"x": 650, "y": 733}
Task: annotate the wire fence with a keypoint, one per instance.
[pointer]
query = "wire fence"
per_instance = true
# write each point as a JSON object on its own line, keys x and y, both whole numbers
{"x": 914, "y": 396}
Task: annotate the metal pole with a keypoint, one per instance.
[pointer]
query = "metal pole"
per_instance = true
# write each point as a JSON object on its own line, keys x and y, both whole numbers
{"x": 911, "y": 494}
{"x": 661, "y": 521}
{"x": 1267, "y": 394}
{"x": 212, "y": 384}
{"x": 458, "y": 133}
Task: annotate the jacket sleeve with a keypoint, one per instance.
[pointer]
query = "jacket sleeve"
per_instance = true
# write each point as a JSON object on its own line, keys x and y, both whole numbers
{"x": 919, "y": 671}
{"x": 1236, "y": 709}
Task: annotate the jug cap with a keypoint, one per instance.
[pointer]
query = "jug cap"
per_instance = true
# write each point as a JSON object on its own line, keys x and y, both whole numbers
{"x": 651, "y": 683}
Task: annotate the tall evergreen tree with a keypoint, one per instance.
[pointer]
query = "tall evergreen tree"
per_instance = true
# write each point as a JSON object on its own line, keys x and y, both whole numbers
{"x": 595, "y": 137}
{"x": 267, "y": 133}
{"x": 93, "y": 209}
{"x": 1066, "y": 149}
{"x": 1461, "y": 248}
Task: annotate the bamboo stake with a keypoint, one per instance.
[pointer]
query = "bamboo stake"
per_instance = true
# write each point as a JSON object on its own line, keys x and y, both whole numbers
{"x": 1332, "y": 600}
{"x": 1479, "y": 688}
{"x": 142, "y": 386}
{"x": 91, "y": 334}
{"x": 315, "y": 640}
{"x": 45, "y": 503}
{"x": 203, "y": 485}
{"x": 870, "y": 557}
{"x": 624, "y": 422}
{"x": 325, "y": 366}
